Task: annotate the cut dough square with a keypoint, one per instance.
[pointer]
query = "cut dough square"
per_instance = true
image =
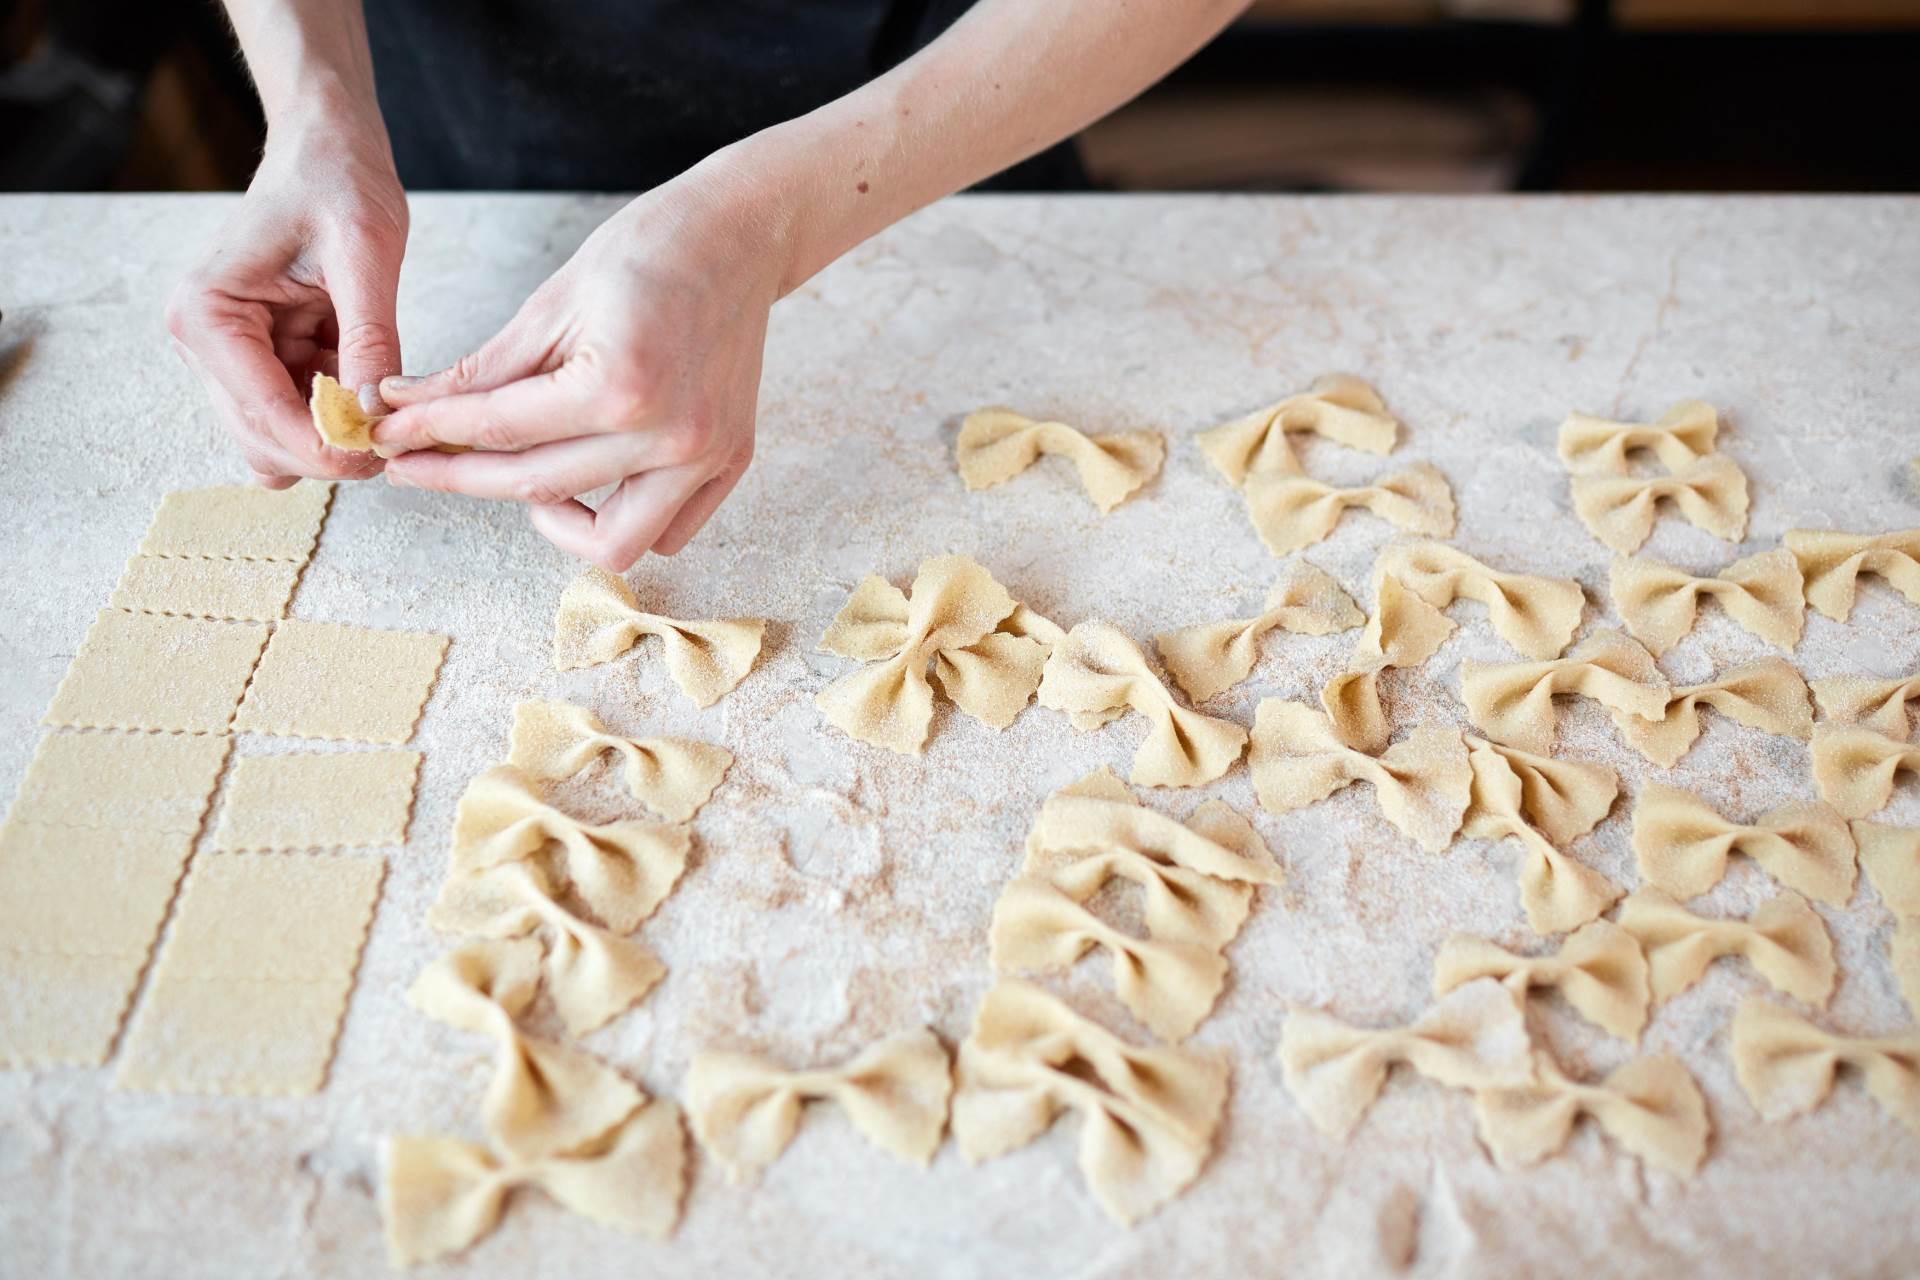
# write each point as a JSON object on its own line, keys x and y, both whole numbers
{"x": 239, "y": 522}
{"x": 329, "y": 680}
{"x": 63, "y": 1010}
{"x": 253, "y": 981}
{"x": 79, "y": 892}
{"x": 247, "y": 917}
{"x": 246, "y": 590}
{"x": 135, "y": 781}
{"x": 151, "y": 671}
{"x": 310, "y": 800}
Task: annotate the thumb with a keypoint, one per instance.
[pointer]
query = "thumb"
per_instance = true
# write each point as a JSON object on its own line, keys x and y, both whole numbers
{"x": 363, "y": 307}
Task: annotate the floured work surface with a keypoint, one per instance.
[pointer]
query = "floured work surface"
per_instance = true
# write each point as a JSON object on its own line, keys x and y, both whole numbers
{"x": 840, "y": 893}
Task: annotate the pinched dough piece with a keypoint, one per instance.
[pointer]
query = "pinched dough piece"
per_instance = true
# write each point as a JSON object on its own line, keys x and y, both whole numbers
{"x": 1293, "y": 511}
{"x": 440, "y": 1195}
{"x": 337, "y": 682}
{"x": 995, "y": 445}
{"x": 1564, "y": 798}
{"x": 240, "y": 522}
{"x": 1421, "y": 783}
{"x": 199, "y": 587}
{"x": 1854, "y": 768}
{"x": 1474, "y": 1038}
{"x": 154, "y": 672}
{"x": 77, "y": 921}
{"x": 1513, "y": 701}
{"x": 1768, "y": 695}
{"x": 1650, "y": 1106}
{"x": 1891, "y": 856}
{"x": 623, "y": 871}
{"x": 745, "y": 1110}
{"x": 1784, "y": 939}
{"x": 253, "y": 980}
{"x": 1213, "y": 657}
{"x": 950, "y": 619}
{"x": 1786, "y": 1064}
{"x": 338, "y": 418}
{"x": 1170, "y": 984}
{"x": 156, "y": 782}
{"x": 1599, "y": 969}
{"x": 1619, "y": 510}
{"x": 600, "y": 618}
{"x": 1557, "y": 891}
{"x": 1147, "y": 1116}
{"x": 1338, "y": 407}
{"x": 593, "y": 975}
{"x": 1534, "y": 614}
{"x": 1096, "y": 672}
{"x": 311, "y": 800}
{"x": 1880, "y": 705}
{"x": 545, "y": 1099}
{"x": 1833, "y": 562}
{"x": 671, "y": 776}
{"x": 1680, "y": 437}
{"x": 1404, "y": 631}
{"x": 1683, "y": 845}
{"x": 1659, "y": 602}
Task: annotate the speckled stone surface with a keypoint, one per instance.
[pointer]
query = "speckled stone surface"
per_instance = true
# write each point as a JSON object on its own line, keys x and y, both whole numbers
{"x": 840, "y": 893}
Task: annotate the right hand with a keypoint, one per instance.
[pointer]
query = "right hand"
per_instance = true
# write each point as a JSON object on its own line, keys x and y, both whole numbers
{"x": 300, "y": 280}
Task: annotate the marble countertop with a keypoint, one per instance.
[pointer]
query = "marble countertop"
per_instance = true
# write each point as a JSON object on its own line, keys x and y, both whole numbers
{"x": 839, "y": 892}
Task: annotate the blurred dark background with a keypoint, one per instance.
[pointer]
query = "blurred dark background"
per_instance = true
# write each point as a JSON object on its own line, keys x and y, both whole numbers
{"x": 1391, "y": 95}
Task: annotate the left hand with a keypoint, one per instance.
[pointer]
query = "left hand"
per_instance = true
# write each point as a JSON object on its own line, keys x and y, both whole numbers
{"x": 637, "y": 364}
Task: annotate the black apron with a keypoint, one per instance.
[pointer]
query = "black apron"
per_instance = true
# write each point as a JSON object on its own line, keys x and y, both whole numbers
{"x": 620, "y": 95}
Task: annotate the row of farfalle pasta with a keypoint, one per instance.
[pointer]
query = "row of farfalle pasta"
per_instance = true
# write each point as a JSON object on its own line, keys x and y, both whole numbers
{"x": 1618, "y": 507}
{"x": 550, "y": 902}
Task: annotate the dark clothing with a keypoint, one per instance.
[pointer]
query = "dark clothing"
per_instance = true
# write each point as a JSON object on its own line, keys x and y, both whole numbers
{"x": 620, "y": 95}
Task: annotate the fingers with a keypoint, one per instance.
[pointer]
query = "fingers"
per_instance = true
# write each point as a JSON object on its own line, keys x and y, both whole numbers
{"x": 523, "y": 413}
{"x": 627, "y": 524}
{"x": 362, "y": 282}
{"x": 700, "y": 507}
{"x": 543, "y": 475}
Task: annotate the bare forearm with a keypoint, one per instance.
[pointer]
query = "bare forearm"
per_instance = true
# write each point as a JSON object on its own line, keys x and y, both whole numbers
{"x": 1009, "y": 79}
{"x": 309, "y": 59}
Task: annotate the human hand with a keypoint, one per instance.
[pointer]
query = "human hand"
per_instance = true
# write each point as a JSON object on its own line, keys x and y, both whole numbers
{"x": 637, "y": 365}
{"x": 300, "y": 280}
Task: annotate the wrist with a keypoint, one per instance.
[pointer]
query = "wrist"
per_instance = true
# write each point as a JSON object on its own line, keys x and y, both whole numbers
{"x": 333, "y": 114}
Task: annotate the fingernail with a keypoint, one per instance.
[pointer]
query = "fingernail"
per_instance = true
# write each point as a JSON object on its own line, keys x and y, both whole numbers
{"x": 370, "y": 402}
{"x": 397, "y": 480}
{"x": 401, "y": 382}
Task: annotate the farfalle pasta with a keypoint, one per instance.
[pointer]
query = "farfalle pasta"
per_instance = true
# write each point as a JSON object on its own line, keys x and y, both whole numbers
{"x": 745, "y": 1110}
{"x": 954, "y": 606}
{"x": 440, "y": 1195}
{"x": 1421, "y": 783}
{"x": 1619, "y": 510}
{"x": 1196, "y": 877}
{"x": 1293, "y": 511}
{"x": 1682, "y": 844}
{"x": 1854, "y": 768}
{"x": 671, "y": 776}
{"x": 1880, "y": 705}
{"x": 1786, "y": 1064}
{"x": 1404, "y": 631}
{"x": 1784, "y": 940}
{"x": 1599, "y": 969}
{"x": 1768, "y": 695}
{"x": 1512, "y": 702}
{"x": 1096, "y": 672}
{"x": 995, "y": 445}
{"x": 593, "y": 975}
{"x": 993, "y": 678}
{"x": 1147, "y": 1116}
{"x": 1761, "y": 593}
{"x": 1683, "y": 435}
{"x": 600, "y": 619}
{"x": 1337, "y": 407}
{"x": 545, "y": 1099}
{"x": 1832, "y": 564}
{"x": 1891, "y": 857}
{"x": 621, "y": 870}
{"x": 1650, "y": 1106}
{"x": 1557, "y": 891}
{"x": 1473, "y": 1038}
{"x": 1212, "y": 657}
{"x": 1170, "y": 984}
{"x": 1536, "y": 615}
